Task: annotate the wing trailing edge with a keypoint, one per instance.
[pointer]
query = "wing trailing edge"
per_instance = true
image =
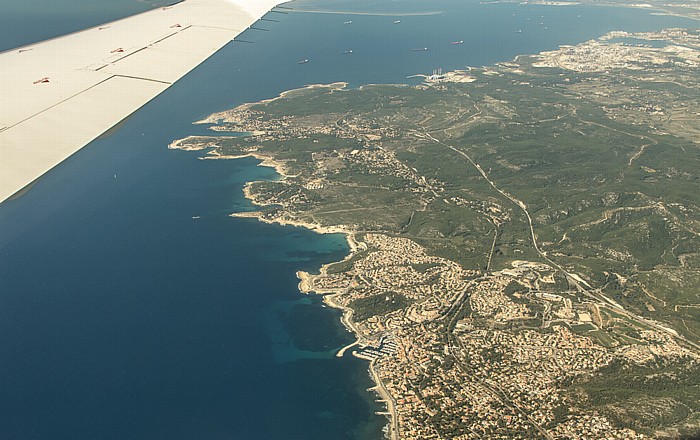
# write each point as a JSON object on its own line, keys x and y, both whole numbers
{"x": 61, "y": 94}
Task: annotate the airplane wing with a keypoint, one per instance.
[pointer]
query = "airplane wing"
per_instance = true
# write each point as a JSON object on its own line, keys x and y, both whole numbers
{"x": 59, "y": 95}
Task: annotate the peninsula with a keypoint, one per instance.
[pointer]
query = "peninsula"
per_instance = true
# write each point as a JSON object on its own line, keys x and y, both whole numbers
{"x": 524, "y": 237}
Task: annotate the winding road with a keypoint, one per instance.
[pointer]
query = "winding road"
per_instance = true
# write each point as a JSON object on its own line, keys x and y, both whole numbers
{"x": 594, "y": 294}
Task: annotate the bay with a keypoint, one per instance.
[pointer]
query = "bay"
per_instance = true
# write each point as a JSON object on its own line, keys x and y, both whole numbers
{"x": 133, "y": 307}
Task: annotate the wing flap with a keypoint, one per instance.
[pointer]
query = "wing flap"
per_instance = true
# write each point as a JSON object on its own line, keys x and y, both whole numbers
{"x": 172, "y": 58}
{"x": 60, "y": 94}
{"x": 60, "y": 128}
{"x": 26, "y": 96}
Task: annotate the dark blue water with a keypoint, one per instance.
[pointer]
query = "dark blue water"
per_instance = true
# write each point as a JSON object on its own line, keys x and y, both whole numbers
{"x": 28, "y": 21}
{"x": 123, "y": 317}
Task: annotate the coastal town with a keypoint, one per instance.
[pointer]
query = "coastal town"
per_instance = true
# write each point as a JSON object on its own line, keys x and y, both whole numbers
{"x": 482, "y": 315}
{"x": 622, "y": 50}
{"x": 487, "y": 380}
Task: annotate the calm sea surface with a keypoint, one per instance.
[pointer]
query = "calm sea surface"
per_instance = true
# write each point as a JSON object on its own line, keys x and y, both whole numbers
{"x": 122, "y": 316}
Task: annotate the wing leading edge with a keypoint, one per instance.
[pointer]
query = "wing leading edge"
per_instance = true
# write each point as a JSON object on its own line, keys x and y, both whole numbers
{"x": 61, "y": 94}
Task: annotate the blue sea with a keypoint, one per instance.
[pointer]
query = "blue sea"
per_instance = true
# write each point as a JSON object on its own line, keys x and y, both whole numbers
{"x": 132, "y": 307}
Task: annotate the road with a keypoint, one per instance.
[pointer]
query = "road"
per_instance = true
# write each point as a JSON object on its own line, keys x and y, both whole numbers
{"x": 594, "y": 294}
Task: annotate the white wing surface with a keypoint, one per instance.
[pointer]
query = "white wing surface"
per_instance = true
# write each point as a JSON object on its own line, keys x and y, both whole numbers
{"x": 59, "y": 95}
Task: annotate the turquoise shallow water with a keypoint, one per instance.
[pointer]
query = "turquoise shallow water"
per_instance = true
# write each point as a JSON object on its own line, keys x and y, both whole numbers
{"x": 123, "y": 317}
